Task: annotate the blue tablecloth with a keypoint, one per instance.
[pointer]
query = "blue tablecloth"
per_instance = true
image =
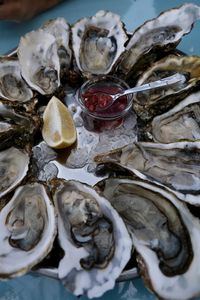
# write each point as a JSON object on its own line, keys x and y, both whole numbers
{"x": 133, "y": 13}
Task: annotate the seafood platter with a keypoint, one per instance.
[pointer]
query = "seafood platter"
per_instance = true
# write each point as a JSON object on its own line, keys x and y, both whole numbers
{"x": 121, "y": 198}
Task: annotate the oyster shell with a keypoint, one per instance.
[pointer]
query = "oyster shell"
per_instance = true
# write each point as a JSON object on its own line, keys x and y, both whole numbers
{"x": 95, "y": 240}
{"x": 39, "y": 61}
{"x": 98, "y": 43}
{"x": 12, "y": 85}
{"x": 157, "y": 37}
{"x": 28, "y": 230}
{"x": 152, "y": 103}
{"x": 165, "y": 234}
{"x": 60, "y": 29}
{"x": 175, "y": 166}
{"x": 16, "y": 128}
{"x": 180, "y": 123}
{"x": 13, "y": 168}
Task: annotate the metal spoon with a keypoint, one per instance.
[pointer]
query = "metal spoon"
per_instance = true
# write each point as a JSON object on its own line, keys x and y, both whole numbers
{"x": 167, "y": 81}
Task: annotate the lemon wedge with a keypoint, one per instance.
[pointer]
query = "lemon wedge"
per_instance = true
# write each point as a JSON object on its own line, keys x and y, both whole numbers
{"x": 58, "y": 129}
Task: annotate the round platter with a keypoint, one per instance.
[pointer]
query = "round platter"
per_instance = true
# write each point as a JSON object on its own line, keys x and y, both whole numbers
{"x": 85, "y": 173}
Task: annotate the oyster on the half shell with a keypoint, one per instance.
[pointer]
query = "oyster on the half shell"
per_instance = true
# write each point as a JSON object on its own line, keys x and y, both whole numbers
{"x": 98, "y": 42}
{"x": 164, "y": 233}
{"x": 39, "y": 61}
{"x": 61, "y": 30}
{"x": 13, "y": 168}
{"x": 94, "y": 238}
{"x": 12, "y": 85}
{"x": 155, "y": 38}
{"x": 16, "y": 128}
{"x": 152, "y": 103}
{"x": 175, "y": 166}
{"x": 28, "y": 228}
{"x": 182, "y": 123}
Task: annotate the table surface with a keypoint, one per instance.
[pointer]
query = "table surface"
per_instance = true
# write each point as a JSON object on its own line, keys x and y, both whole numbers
{"x": 133, "y": 14}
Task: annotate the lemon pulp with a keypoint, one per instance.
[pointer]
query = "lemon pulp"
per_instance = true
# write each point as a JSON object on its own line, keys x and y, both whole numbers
{"x": 58, "y": 130}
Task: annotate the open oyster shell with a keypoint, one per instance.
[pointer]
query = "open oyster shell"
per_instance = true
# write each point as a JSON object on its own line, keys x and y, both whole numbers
{"x": 176, "y": 166}
{"x": 16, "y": 128}
{"x": 157, "y": 37}
{"x": 180, "y": 123}
{"x": 94, "y": 238}
{"x": 98, "y": 43}
{"x": 39, "y": 61}
{"x": 12, "y": 85}
{"x": 61, "y": 30}
{"x": 13, "y": 168}
{"x": 28, "y": 228}
{"x": 165, "y": 234}
{"x": 149, "y": 104}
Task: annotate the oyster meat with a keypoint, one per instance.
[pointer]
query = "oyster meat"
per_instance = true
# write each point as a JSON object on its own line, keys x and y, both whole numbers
{"x": 165, "y": 234}
{"x": 94, "y": 238}
{"x": 180, "y": 123}
{"x": 12, "y": 85}
{"x": 39, "y": 61}
{"x": 149, "y": 104}
{"x": 175, "y": 166}
{"x": 28, "y": 229}
{"x": 155, "y": 38}
{"x": 13, "y": 168}
{"x": 98, "y": 42}
{"x": 60, "y": 29}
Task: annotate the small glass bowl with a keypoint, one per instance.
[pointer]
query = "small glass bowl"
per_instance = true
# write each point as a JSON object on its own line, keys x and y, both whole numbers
{"x": 109, "y": 84}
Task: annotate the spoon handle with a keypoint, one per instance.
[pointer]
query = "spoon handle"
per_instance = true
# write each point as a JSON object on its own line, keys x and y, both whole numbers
{"x": 156, "y": 84}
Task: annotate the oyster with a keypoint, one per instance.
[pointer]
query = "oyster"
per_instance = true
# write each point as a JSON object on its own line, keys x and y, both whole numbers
{"x": 28, "y": 230}
{"x": 39, "y": 61}
{"x": 13, "y": 168}
{"x": 60, "y": 29}
{"x": 165, "y": 234}
{"x": 95, "y": 240}
{"x": 180, "y": 123}
{"x": 16, "y": 128}
{"x": 157, "y": 37}
{"x": 98, "y": 42}
{"x": 155, "y": 102}
{"x": 175, "y": 166}
{"x": 12, "y": 85}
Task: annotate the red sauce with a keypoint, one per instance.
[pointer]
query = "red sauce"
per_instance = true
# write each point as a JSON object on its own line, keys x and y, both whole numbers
{"x": 93, "y": 101}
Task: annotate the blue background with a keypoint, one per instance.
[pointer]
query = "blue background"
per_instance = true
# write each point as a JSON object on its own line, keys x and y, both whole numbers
{"x": 133, "y": 13}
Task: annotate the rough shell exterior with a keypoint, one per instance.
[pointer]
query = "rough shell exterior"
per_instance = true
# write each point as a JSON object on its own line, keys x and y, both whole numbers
{"x": 155, "y": 38}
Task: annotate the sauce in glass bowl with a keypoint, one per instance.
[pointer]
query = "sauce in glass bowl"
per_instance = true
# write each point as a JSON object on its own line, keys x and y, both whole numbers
{"x": 95, "y": 101}
{"x": 92, "y": 101}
